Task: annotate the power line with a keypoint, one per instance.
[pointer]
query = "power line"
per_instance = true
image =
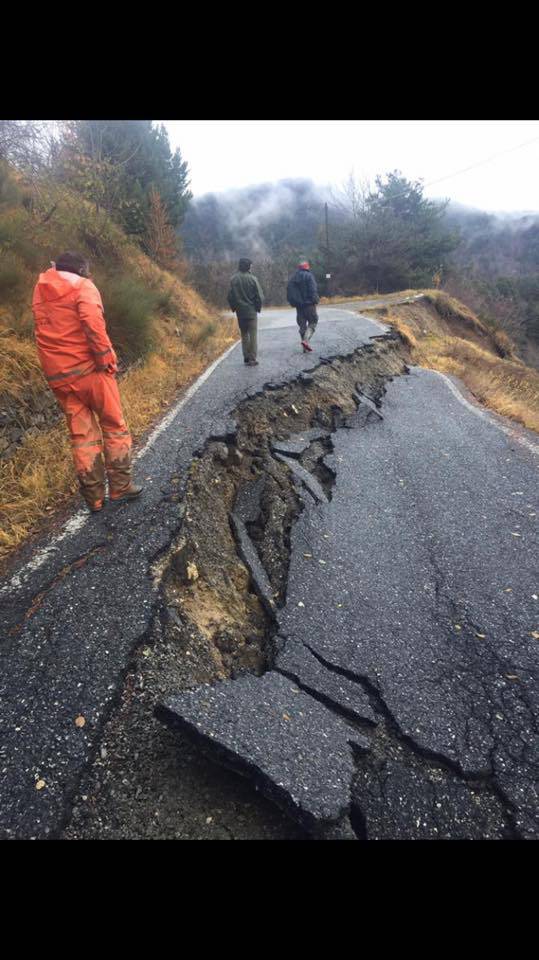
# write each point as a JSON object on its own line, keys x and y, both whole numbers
{"x": 451, "y": 176}
{"x": 458, "y": 173}
{"x": 480, "y": 163}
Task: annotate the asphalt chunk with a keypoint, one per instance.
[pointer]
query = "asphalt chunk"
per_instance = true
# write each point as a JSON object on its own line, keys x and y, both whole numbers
{"x": 297, "y": 662}
{"x": 295, "y": 749}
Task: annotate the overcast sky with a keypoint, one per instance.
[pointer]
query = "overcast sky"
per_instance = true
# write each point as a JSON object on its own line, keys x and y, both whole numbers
{"x": 224, "y": 154}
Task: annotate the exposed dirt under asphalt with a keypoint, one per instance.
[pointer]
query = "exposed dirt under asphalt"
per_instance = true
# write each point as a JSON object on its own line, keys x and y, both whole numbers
{"x": 216, "y": 613}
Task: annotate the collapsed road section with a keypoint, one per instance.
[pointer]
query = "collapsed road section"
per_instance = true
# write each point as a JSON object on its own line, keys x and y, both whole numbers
{"x": 229, "y": 575}
{"x": 221, "y": 587}
{"x": 337, "y": 609}
{"x": 81, "y": 608}
{"x": 396, "y": 695}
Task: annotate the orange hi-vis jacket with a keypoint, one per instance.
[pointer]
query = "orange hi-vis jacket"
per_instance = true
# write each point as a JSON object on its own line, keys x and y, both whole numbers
{"x": 71, "y": 334}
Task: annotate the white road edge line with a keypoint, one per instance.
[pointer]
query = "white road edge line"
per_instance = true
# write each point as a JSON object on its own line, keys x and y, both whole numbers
{"x": 78, "y": 521}
{"x": 383, "y": 327}
{"x": 485, "y": 415}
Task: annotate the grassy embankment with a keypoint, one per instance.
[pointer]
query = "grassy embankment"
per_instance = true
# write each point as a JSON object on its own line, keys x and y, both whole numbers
{"x": 165, "y": 333}
{"x": 443, "y": 334}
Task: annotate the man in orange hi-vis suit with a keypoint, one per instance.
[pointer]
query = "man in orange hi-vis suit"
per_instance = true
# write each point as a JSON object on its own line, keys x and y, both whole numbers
{"x": 80, "y": 366}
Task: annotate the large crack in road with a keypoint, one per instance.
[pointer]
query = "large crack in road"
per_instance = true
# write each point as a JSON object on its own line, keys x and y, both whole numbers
{"x": 77, "y": 644}
{"x": 272, "y": 730}
{"x": 430, "y": 609}
{"x": 227, "y": 573}
{"x": 336, "y": 609}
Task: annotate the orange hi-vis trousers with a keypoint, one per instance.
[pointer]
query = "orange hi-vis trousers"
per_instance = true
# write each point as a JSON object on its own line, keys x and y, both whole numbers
{"x": 96, "y": 424}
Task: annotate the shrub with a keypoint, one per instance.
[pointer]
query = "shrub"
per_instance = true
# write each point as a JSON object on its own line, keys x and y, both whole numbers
{"x": 34, "y": 258}
{"x": 165, "y": 300}
{"x": 129, "y": 307}
{"x": 10, "y": 192}
{"x": 13, "y": 278}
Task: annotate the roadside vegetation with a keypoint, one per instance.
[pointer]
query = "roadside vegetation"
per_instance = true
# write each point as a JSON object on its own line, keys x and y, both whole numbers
{"x": 164, "y": 332}
{"x": 441, "y": 333}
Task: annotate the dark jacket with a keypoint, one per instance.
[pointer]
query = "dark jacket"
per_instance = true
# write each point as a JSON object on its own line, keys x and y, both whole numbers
{"x": 245, "y": 296}
{"x": 302, "y": 290}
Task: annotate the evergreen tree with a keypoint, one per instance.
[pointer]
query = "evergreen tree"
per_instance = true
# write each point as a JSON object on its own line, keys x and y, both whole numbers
{"x": 396, "y": 238}
{"x": 117, "y": 163}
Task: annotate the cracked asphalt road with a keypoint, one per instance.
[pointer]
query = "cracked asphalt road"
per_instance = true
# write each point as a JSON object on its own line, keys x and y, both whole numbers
{"x": 426, "y": 594}
{"x": 418, "y": 593}
{"x": 75, "y": 609}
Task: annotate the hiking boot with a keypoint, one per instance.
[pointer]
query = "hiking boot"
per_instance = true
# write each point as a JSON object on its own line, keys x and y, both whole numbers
{"x": 252, "y": 363}
{"x": 306, "y": 346}
{"x": 131, "y": 493}
{"x": 95, "y": 507}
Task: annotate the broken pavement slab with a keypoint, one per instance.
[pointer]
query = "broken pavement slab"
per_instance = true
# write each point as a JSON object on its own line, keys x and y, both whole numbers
{"x": 296, "y": 661}
{"x": 275, "y": 385}
{"x": 249, "y": 555}
{"x": 366, "y": 413}
{"x": 298, "y": 443}
{"x": 371, "y": 399}
{"x": 307, "y": 479}
{"x": 296, "y": 750}
{"x": 289, "y": 448}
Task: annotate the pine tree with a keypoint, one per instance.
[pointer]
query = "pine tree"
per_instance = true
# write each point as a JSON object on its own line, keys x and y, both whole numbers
{"x": 115, "y": 163}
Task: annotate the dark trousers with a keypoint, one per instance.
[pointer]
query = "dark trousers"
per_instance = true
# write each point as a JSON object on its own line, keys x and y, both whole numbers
{"x": 249, "y": 338}
{"x": 307, "y": 320}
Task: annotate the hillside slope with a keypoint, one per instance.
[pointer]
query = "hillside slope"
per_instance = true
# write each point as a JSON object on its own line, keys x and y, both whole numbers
{"x": 444, "y": 334}
{"x": 164, "y": 332}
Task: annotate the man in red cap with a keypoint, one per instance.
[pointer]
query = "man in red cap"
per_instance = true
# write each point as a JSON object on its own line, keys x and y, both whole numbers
{"x": 303, "y": 295}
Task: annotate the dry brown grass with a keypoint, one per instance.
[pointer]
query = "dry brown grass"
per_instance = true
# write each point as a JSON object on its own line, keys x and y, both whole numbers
{"x": 19, "y": 368}
{"x": 63, "y": 220}
{"x": 404, "y": 330}
{"x": 327, "y": 301}
{"x": 442, "y": 334}
{"x": 508, "y": 387}
{"x": 40, "y": 476}
{"x": 452, "y": 311}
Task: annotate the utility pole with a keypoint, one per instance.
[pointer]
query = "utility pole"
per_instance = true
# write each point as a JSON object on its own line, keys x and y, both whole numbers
{"x": 328, "y": 274}
{"x": 327, "y": 228}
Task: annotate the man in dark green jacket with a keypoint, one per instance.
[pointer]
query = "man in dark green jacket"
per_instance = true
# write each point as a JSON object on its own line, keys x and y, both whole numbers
{"x": 245, "y": 299}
